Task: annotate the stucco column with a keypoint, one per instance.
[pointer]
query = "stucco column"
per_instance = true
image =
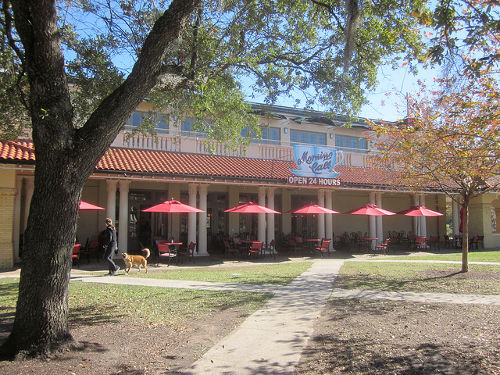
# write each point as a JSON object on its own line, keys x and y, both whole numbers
{"x": 29, "y": 186}
{"x": 423, "y": 221}
{"x": 202, "y": 222}
{"x": 380, "y": 228}
{"x": 123, "y": 217}
{"x": 455, "y": 213}
{"x": 16, "y": 230}
{"x": 192, "y": 191}
{"x": 270, "y": 217}
{"x": 111, "y": 199}
{"x": 174, "y": 191}
{"x": 286, "y": 205}
{"x": 261, "y": 234}
{"x": 233, "y": 218}
{"x": 329, "y": 218}
{"x": 321, "y": 217}
{"x": 372, "y": 223}
{"x": 415, "y": 222}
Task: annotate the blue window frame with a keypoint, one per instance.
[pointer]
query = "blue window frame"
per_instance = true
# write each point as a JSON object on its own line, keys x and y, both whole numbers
{"x": 269, "y": 135}
{"x": 354, "y": 144}
{"x": 311, "y": 138}
{"x": 188, "y": 129}
{"x": 161, "y": 123}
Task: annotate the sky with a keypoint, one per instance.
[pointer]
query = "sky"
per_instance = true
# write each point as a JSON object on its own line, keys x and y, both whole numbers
{"x": 387, "y": 102}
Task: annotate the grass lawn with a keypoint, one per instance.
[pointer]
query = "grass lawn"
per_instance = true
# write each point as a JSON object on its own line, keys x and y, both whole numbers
{"x": 104, "y": 303}
{"x": 419, "y": 277}
{"x": 124, "y": 329}
{"x": 475, "y": 256}
{"x": 273, "y": 274}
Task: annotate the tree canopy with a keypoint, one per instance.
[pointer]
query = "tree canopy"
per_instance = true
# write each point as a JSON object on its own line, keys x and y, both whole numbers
{"x": 77, "y": 69}
{"x": 451, "y": 142}
{"x": 272, "y": 48}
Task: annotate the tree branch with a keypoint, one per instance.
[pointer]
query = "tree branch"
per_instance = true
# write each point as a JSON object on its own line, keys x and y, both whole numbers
{"x": 106, "y": 121}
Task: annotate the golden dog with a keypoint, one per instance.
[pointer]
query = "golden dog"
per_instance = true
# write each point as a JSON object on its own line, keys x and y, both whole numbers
{"x": 136, "y": 260}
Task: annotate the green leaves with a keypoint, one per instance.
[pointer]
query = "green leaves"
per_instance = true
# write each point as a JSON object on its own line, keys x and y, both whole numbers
{"x": 270, "y": 48}
{"x": 451, "y": 139}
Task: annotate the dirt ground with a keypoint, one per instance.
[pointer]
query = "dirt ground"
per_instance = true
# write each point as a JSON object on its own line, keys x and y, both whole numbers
{"x": 352, "y": 337}
{"x": 385, "y": 337}
{"x": 125, "y": 347}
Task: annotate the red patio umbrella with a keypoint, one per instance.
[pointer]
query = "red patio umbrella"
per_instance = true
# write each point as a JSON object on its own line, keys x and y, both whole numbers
{"x": 370, "y": 210}
{"x": 313, "y": 209}
{"x": 172, "y": 206}
{"x": 251, "y": 208}
{"x": 87, "y": 206}
{"x": 419, "y": 211}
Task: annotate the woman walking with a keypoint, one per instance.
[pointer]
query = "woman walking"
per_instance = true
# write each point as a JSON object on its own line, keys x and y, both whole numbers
{"x": 111, "y": 246}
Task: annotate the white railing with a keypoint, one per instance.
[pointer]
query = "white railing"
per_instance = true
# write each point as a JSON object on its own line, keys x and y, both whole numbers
{"x": 140, "y": 141}
{"x": 211, "y": 147}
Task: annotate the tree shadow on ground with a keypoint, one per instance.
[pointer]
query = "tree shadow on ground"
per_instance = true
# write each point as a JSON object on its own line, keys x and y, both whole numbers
{"x": 361, "y": 337}
{"x": 362, "y": 356}
{"x": 379, "y": 282}
{"x": 94, "y": 315}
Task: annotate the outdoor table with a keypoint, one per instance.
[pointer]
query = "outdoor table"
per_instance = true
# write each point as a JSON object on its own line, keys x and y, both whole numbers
{"x": 366, "y": 240}
{"x": 245, "y": 246}
{"x": 173, "y": 245}
{"x": 313, "y": 242}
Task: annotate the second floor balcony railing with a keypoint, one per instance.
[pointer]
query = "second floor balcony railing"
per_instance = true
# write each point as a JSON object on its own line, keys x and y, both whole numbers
{"x": 201, "y": 145}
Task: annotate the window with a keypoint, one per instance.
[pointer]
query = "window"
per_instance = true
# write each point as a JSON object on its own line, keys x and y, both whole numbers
{"x": 270, "y": 135}
{"x": 312, "y": 138}
{"x": 188, "y": 129}
{"x": 160, "y": 122}
{"x": 161, "y": 126}
{"x": 353, "y": 144}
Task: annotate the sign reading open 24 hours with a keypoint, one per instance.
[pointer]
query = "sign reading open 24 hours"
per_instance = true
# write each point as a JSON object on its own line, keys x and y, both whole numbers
{"x": 316, "y": 165}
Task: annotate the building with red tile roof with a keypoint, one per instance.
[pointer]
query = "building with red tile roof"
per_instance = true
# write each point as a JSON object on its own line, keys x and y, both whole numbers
{"x": 139, "y": 171}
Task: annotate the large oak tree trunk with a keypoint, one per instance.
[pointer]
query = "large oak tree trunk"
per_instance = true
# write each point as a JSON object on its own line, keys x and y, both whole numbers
{"x": 41, "y": 321}
{"x": 65, "y": 158}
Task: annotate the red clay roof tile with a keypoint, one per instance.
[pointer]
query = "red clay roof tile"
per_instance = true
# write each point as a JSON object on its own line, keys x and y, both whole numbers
{"x": 183, "y": 164}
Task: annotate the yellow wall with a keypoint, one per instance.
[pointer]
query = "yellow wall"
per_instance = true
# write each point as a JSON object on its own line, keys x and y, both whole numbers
{"x": 7, "y": 198}
{"x": 480, "y": 219}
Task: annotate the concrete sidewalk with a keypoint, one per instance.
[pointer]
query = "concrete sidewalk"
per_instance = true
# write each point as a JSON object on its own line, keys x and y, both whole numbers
{"x": 490, "y": 299}
{"x": 272, "y": 339}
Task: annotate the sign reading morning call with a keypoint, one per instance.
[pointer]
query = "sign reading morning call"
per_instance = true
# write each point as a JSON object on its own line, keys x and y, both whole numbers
{"x": 316, "y": 165}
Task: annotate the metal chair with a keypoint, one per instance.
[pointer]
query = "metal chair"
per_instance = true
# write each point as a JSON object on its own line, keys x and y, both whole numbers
{"x": 75, "y": 255}
{"x": 324, "y": 248}
{"x": 255, "y": 248}
{"x": 420, "y": 242}
{"x": 187, "y": 252}
{"x": 270, "y": 248}
{"x": 230, "y": 250}
{"x": 165, "y": 252}
{"x": 384, "y": 246}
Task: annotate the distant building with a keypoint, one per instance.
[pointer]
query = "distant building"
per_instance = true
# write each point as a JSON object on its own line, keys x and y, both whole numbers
{"x": 183, "y": 164}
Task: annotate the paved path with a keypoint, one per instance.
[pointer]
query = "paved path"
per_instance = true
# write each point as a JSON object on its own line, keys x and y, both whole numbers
{"x": 418, "y": 297}
{"x": 420, "y": 261}
{"x": 272, "y": 339}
